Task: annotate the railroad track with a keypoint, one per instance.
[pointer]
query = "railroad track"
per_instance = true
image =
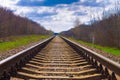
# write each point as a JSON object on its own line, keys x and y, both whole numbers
{"x": 59, "y": 59}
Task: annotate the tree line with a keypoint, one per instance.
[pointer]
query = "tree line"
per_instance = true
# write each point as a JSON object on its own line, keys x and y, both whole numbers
{"x": 12, "y": 25}
{"x": 105, "y": 32}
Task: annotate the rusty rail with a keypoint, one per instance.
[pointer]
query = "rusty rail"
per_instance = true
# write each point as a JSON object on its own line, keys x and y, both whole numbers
{"x": 106, "y": 66}
{"x": 10, "y": 65}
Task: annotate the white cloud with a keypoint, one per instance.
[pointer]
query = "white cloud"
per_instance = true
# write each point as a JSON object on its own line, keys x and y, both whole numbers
{"x": 57, "y": 26}
{"x": 82, "y": 1}
{"x": 23, "y": 11}
{"x": 64, "y": 17}
{"x": 8, "y": 3}
{"x": 45, "y": 9}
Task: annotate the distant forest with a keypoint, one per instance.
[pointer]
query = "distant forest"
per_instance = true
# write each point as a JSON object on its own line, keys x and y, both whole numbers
{"x": 105, "y": 31}
{"x": 12, "y": 25}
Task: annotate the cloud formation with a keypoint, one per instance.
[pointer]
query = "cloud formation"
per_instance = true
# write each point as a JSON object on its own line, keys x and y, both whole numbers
{"x": 58, "y": 15}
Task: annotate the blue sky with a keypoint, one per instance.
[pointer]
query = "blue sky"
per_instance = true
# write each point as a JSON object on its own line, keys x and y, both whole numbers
{"x": 58, "y": 15}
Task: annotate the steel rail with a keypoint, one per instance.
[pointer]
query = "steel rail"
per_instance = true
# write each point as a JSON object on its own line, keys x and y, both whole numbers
{"x": 10, "y": 65}
{"x": 96, "y": 58}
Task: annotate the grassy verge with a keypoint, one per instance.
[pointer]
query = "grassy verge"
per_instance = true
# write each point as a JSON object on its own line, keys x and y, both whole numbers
{"x": 110, "y": 50}
{"x": 17, "y": 41}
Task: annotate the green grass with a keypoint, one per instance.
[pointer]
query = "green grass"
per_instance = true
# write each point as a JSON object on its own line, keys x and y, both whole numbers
{"x": 17, "y": 41}
{"x": 107, "y": 49}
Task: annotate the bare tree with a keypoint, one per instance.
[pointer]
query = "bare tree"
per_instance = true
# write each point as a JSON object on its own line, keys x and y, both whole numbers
{"x": 77, "y": 22}
{"x": 11, "y": 25}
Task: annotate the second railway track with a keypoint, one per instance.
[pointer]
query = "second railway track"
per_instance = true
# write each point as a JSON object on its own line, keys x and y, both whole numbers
{"x": 59, "y": 61}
